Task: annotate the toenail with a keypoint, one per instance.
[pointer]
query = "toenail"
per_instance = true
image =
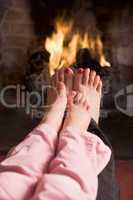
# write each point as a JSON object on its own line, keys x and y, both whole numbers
{"x": 67, "y": 70}
{"x": 80, "y": 70}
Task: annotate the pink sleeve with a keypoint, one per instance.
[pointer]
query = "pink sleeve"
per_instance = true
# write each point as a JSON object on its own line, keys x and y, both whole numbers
{"x": 73, "y": 173}
{"x": 20, "y": 171}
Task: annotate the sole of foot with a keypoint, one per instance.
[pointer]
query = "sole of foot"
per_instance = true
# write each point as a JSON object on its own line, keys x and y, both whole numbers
{"x": 56, "y": 111}
{"x": 90, "y": 84}
{"x": 78, "y": 116}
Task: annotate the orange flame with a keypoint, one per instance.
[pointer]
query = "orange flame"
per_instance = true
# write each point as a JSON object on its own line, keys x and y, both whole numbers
{"x": 64, "y": 44}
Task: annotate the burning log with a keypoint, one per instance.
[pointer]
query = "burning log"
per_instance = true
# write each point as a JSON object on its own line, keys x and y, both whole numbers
{"x": 38, "y": 57}
{"x": 37, "y": 71}
{"x": 65, "y": 43}
{"x": 85, "y": 60}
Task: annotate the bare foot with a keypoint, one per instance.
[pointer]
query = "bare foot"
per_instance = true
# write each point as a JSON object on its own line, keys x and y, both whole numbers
{"x": 78, "y": 116}
{"x": 64, "y": 75}
{"x": 90, "y": 84}
{"x": 55, "y": 114}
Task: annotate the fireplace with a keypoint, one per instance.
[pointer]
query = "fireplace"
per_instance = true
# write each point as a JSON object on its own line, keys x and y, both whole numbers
{"x": 38, "y": 37}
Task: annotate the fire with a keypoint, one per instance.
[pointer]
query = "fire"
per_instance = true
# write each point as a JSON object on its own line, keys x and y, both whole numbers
{"x": 64, "y": 44}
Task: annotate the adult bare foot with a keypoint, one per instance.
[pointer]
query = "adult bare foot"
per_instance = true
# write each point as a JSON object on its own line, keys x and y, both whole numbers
{"x": 56, "y": 111}
{"x": 78, "y": 115}
{"x": 64, "y": 75}
{"x": 90, "y": 84}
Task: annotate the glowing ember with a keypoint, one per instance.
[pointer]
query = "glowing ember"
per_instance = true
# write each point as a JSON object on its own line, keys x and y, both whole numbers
{"x": 64, "y": 44}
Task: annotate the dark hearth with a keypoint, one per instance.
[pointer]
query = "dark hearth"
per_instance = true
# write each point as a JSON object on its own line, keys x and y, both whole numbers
{"x": 85, "y": 60}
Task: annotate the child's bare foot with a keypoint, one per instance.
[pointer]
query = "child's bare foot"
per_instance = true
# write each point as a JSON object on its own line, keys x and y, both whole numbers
{"x": 78, "y": 115}
{"x": 55, "y": 114}
{"x": 90, "y": 84}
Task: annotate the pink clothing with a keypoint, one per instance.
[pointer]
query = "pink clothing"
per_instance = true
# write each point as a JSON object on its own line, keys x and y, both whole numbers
{"x": 42, "y": 168}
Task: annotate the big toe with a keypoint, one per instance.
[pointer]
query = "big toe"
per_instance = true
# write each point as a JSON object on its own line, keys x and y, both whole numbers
{"x": 68, "y": 79}
{"x": 78, "y": 79}
{"x": 61, "y": 74}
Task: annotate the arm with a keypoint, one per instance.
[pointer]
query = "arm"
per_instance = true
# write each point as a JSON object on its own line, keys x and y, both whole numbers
{"x": 20, "y": 171}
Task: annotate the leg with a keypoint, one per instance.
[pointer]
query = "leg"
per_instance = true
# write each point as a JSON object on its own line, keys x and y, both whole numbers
{"x": 80, "y": 157}
{"x": 107, "y": 179}
{"x": 29, "y": 160}
{"x": 108, "y": 187}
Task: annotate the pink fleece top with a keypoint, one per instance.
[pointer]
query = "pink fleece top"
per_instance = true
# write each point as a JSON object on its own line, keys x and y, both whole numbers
{"x": 47, "y": 167}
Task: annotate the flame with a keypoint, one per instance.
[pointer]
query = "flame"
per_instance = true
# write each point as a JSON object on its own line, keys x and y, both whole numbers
{"x": 99, "y": 50}
{"x": 64, "y": 44}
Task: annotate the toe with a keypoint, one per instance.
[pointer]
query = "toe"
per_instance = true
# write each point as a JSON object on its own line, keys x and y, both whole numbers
{"x": 92, "y": 77}
{"x": 70, "y": 99}
{"x": 88, "y": 107}
{"x": 61, "y": 89}
{"x": 86, "y": 104}
{"x": 78, "y": 98}
{"x": 82, "y": 100}
{"x": 96, "y": 81}
{"x": 61, "y": 74}
{"x": 99, "y": 87}
{"x": 53, "y": 80}
{"x": 86, "y": 76}
{"x": 78, "y": 79}
{"x": 56, "y": 77}
{"x": 68, "y": 78}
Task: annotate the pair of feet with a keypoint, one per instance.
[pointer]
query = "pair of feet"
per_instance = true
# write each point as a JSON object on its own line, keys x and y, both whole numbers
{"x": 80, "y": 93}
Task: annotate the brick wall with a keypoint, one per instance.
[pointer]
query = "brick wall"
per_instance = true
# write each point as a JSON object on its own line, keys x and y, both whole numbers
{"x": 16, "y": 32}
